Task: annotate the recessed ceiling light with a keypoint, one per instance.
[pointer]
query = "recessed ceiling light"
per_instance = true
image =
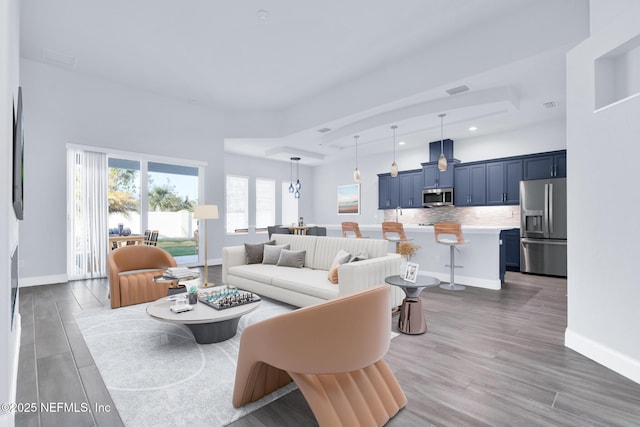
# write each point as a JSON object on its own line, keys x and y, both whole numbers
{"x": 263, "y": 14}
{"x": 472, "y": 128}
{"x": 401, "y": 143}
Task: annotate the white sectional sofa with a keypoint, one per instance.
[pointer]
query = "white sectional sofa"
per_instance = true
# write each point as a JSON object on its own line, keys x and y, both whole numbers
{"x": 310, "y": 284}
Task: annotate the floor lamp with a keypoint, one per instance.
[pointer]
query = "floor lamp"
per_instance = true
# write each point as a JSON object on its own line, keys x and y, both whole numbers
{"x": 205, "y": 212}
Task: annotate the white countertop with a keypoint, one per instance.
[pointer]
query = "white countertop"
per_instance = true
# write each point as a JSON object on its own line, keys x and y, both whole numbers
{"x": 410, "y": 228}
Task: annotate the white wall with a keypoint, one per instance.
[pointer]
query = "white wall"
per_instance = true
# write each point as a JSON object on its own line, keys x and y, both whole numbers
{"x": 254, "y": 167}
{"x": 62, "y": 107}
{"x": 547, "y": 136}
{"x": 9, "y": 339}
{"x": 603, "y": 291}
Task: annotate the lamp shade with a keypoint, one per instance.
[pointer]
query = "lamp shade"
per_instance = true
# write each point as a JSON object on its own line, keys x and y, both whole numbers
{"x": 206, "y": 212}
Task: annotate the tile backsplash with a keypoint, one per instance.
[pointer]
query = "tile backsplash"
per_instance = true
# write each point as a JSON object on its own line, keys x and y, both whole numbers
{"x": 508, "y": 216}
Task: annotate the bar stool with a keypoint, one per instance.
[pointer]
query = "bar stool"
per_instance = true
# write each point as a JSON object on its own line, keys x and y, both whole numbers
{"x": 396, "y": 229}
{"x": 450, "y": 228}
{"x": 351, "y": 229}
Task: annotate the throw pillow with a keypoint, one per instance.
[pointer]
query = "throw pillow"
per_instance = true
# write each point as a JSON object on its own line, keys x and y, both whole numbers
{"x": 255, "y": 251}
{"x": 359, "y": 257}
{"x": 342, "y": 257}
{"x": 272, "y": 253}
{"x": 291, "y": 258}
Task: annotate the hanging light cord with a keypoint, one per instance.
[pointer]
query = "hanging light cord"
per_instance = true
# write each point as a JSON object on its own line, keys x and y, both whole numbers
{"x": 442, "y": 133}
{"x": 394, "y": 143}
{"x": 356, "y": 137}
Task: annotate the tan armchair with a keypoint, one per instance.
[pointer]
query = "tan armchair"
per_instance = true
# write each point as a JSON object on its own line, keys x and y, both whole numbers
{"x": 131, "y": 270}
{"x": 333, "y": 351}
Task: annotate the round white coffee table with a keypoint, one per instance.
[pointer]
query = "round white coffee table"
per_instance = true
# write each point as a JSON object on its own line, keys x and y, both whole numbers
{"x": 207, "y": 324}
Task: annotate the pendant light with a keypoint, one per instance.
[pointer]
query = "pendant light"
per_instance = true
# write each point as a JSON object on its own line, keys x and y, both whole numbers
{"x": 394, "y": 165}
{"x": 442, "y": 160}
{"x": 356, "y": 173}
{"x": 297, "y": 185}
{"x": 291, "y": 189}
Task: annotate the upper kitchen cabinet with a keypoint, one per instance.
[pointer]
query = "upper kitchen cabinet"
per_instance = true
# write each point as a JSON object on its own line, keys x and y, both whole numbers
{"x": 503, "y": 182}
{"x": 388, "y": 191}
{"x": 470, "y": 185}
{"x": 545, "y": 165}
{"x": 433, "y": 178}
{"x": 410, "y": 188}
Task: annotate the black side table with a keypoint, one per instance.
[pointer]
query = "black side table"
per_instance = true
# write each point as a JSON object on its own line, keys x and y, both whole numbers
{"x": 412, "y": 319}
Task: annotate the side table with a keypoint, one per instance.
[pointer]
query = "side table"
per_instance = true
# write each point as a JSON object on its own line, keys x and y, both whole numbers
{"x": 174, "y": 284}
{"x": 411, "y": 320}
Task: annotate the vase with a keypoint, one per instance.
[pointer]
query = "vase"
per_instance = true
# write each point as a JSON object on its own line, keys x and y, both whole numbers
{"x": 403, "y": 265}
{"x": 193, "y": 298}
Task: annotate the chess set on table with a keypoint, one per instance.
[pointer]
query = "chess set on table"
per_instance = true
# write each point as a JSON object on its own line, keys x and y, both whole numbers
{"x": 224, "y": 298}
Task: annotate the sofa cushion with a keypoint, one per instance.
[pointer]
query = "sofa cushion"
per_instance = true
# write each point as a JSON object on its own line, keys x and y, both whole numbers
{"x": 255, "y": 251}
{"x": 257, "y": 272}
{"x": 305, "y": 281}
{"x": 359, "y": 257}
{"x": 272, "y": 253}
{"x": 290, "y": 258}
{"x": 342, "y": 257}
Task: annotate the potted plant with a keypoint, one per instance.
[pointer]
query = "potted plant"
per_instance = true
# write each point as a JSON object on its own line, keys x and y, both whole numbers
{"x": 193, "y": 294}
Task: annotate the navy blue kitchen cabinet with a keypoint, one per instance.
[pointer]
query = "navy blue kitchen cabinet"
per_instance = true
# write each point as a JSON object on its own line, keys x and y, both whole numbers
{"x": 410, "y": 188}
{"x": 545, "y": 165}
{"x": 470, "y": 185}
{"x": 388, "y": 191}
{"x": 434, "y": 150}
{"x": 503, "y": 182}
{"x": 511, "y": 242}
{"x": 433, "y": 178}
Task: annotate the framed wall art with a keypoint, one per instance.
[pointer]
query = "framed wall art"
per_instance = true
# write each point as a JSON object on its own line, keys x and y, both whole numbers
{"x": 349, "y": 199}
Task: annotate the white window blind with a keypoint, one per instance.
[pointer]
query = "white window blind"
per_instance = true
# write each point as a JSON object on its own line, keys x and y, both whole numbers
{"x": 237, "y": 204}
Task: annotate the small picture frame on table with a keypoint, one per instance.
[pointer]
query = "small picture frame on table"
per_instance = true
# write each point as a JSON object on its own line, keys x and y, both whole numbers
{"x": 411, "y": 274}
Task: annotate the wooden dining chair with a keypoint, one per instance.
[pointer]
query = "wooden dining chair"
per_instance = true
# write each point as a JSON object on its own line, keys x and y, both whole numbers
{"x": 153, "y": 240}
{"x": 351, "y": 229}
{"x": 147, "y": 236}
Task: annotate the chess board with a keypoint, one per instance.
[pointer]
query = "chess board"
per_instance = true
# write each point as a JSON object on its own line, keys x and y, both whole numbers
{"x": 222, "y": 299}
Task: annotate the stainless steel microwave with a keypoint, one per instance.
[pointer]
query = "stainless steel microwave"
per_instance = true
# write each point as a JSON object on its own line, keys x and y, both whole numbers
{"x": 432, "y": 197}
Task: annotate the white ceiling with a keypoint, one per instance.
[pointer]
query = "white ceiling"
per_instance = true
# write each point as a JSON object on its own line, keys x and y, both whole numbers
{"x": 310, "y": 65}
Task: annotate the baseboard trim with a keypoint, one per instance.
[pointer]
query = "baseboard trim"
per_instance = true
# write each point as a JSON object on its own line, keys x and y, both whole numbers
{"x": 8, "y": 419}
{"x": 43, "y": 280}
{"x": 606, "y": 356}
{"x": 466, "y": 280}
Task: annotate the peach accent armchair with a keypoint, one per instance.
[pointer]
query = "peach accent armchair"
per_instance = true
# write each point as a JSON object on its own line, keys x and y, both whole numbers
{"x": 333, "y": 351}
{"x": 131, "y": 270}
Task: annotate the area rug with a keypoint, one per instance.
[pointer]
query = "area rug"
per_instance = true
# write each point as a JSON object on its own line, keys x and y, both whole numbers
{"x": 158, "y": 375}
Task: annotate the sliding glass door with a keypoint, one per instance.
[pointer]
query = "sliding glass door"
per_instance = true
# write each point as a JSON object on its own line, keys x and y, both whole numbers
{"x": 171, "y": 197}
{"x": 112, "y": 196}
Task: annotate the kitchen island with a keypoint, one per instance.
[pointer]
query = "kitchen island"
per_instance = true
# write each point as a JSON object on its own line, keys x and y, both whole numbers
{"x": 480, "y": 258}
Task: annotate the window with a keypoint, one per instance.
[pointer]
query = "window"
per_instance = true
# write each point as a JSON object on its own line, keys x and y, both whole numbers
{"x": 289, "y": 206}
{"x": 265, "y": 203}
{"x": 237, "y": 204}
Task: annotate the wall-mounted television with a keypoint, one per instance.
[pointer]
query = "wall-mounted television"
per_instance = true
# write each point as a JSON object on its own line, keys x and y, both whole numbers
{"x": 18, "y": 158}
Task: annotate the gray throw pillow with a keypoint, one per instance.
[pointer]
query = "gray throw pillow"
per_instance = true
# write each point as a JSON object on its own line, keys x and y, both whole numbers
{"x": 359, "y": 257}
{"x": 342, "y": 257}
{"x": 291, "y": 258}
{"x": 272, "y": 253}
{"x": 255, "y": 251}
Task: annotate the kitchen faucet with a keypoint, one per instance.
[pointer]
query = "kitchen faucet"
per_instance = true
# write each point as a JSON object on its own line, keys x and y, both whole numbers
{"x": 398, "y": 209}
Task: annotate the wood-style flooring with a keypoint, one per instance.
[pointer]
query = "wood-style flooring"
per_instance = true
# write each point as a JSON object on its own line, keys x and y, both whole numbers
{"x": 489, "y": 358}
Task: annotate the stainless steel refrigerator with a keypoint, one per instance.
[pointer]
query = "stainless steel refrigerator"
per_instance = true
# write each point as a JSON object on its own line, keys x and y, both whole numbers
{"x": 543, "y": 226}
